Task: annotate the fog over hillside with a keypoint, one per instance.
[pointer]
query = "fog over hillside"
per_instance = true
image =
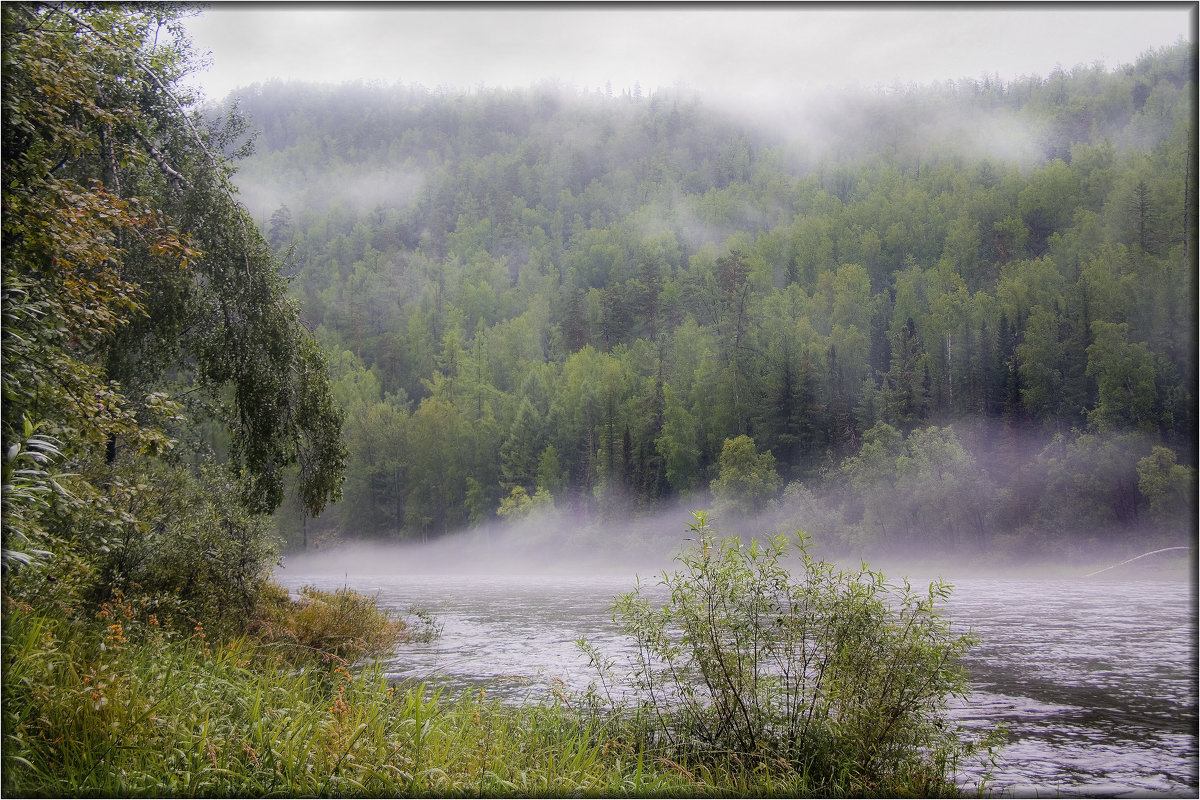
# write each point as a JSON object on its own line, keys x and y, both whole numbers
{"x": 653, "y": 400}
{"x": 939, "y": 319}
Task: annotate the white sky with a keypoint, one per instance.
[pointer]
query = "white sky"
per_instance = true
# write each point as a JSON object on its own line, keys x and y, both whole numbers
{"x": 755, "y": 53}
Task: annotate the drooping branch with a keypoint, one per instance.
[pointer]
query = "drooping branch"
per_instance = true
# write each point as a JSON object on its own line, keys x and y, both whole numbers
{"x": 158, "y": 81}
{"x": 177, "y": 180}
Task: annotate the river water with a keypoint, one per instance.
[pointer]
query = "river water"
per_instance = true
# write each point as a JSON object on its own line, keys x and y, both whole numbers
{"x": 1095, "y": 679}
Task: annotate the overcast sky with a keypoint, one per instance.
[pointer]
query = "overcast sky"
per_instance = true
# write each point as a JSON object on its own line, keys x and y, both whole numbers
{"x": 757, "y": 52}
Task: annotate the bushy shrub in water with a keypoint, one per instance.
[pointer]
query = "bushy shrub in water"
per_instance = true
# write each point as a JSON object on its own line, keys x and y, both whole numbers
{"x": 839, "y": 674}
{"x": 340, "y": 625}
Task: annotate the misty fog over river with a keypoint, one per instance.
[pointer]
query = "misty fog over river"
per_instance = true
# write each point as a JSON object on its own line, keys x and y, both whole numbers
{"x": 1095, "y": 678}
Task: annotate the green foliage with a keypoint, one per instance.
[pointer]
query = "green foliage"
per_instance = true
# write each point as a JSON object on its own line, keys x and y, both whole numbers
{"x": 124, "y": 707}
{"x": 1093, "y": 477}
{"x": 131, "y": 708}
{"x": 28, "y": 489}
{"x": 1124, "y": 375}
{"x": 550, "y": 475}
{"x": 843, "y": 676}
{"x": 125, "y": 223}
{"x": 182, "y": 533}
{"x": 1169, "y": 487}
{"x": 944, "y": 490}
{"x": 747, "y": 478}
{"x": 519, "y": 504}
{"x": 158, "y": 383}
{"x": 634, "y": 282}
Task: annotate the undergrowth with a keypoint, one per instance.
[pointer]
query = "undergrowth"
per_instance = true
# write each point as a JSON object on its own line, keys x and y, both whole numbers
{"x": 130, "y": 699}
{"x": 133, "y": 712}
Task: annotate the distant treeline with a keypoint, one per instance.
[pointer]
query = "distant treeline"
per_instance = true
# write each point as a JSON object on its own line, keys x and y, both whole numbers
{"x": 536, "y": 296}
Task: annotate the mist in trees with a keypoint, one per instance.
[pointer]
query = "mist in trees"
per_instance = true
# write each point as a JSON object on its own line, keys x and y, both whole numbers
{"x": 959, "y": 315}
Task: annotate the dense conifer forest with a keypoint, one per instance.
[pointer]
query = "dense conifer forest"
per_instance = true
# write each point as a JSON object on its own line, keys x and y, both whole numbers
{"x": 960, "y": 315}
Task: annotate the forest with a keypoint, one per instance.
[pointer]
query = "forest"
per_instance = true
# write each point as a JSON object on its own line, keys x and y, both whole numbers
{"x": 955, "y": 316}
{"x": 960, "y": 314}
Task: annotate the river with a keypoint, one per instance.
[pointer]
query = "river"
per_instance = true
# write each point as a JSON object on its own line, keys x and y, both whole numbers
{"x": 1095, "y": 678}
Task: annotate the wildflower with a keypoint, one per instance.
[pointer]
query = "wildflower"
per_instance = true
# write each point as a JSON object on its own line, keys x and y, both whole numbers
{"x": 116, "y": 633}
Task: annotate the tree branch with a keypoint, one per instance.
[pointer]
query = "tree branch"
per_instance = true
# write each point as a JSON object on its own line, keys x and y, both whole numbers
{"x": 144, "y": 67}
{"x": 172, "y": 174}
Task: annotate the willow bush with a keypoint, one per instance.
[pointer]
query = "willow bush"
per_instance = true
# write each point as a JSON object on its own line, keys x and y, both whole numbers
{"x": 841, "y": 675}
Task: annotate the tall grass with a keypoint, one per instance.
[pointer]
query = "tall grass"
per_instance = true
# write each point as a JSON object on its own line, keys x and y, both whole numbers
{"x": 137, "y": 713}
{"x": 114, "y": 700}
{"x": 151, "y": 715}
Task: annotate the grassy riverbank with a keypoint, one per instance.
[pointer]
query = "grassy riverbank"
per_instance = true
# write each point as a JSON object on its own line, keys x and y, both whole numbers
{"x": 118, "y": 703}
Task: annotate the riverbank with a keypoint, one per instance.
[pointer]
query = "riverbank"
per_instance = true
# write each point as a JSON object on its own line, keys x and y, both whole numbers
{"x": 109, "y": 702}
{"x": 114, "y": 703}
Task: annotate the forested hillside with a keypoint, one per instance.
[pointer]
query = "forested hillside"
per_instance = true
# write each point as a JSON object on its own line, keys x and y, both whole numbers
{"x": 961, "y": 314}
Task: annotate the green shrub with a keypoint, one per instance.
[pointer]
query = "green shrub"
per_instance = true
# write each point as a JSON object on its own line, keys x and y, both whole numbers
{"x": 340, "y": 626}
{"x": 159, "y": 530}
{"x": 839, "y": 674}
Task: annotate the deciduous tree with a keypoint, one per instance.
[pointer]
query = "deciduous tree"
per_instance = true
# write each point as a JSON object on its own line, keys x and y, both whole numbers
{"x": 132, "y": 275}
